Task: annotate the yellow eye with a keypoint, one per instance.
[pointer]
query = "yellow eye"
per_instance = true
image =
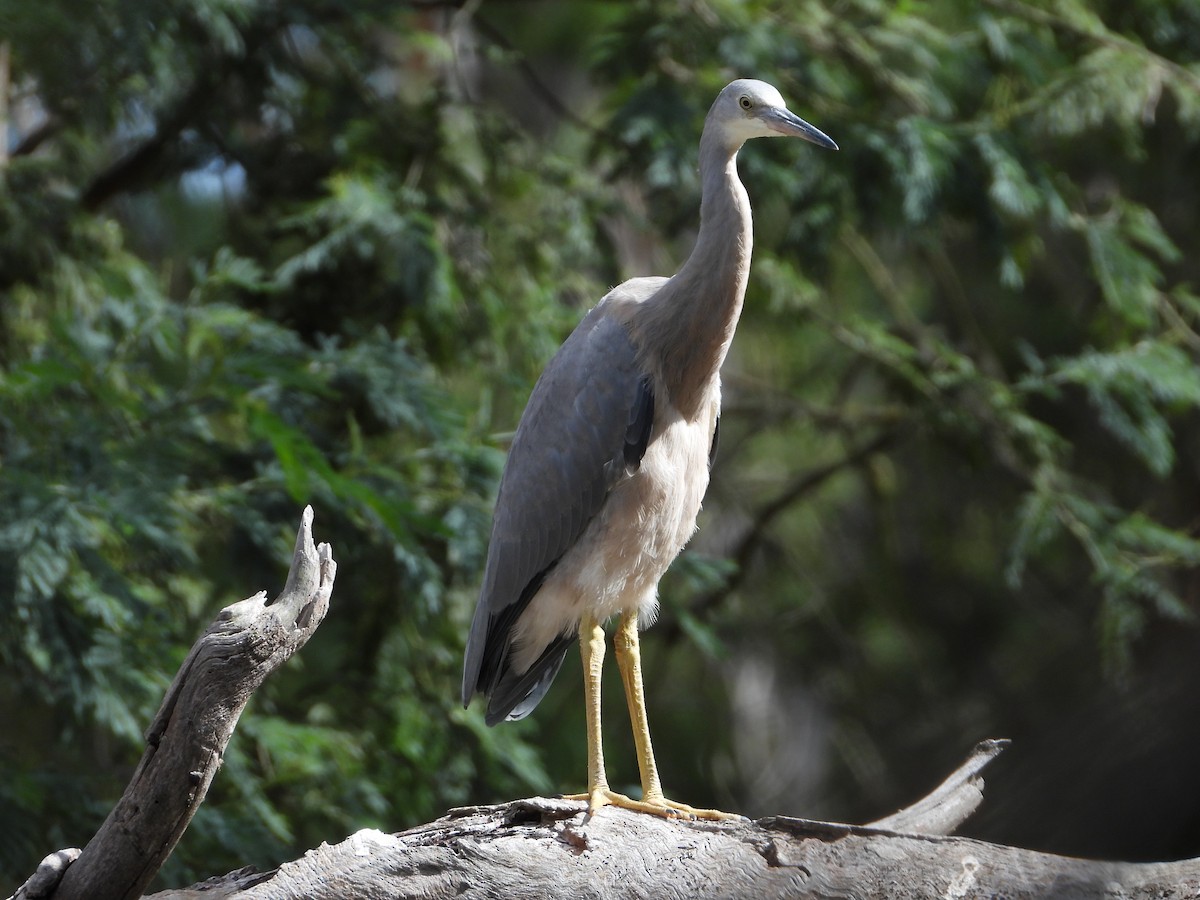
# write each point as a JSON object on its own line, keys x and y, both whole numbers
{"x": 746, "y": 103}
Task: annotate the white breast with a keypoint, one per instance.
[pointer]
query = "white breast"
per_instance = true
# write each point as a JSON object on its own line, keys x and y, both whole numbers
{"x": 617, "y": 562}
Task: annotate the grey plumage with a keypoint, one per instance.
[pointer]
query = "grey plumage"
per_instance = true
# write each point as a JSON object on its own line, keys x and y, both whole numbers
{"x": 584, "y": 429}
{"x": 610, "y": 460}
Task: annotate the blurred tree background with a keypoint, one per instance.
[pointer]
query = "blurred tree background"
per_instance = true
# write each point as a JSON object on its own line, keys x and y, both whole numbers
{"x": 261, "y": 253}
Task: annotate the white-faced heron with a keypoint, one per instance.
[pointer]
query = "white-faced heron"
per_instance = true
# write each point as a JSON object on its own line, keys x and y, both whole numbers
{"x": 611, "y": 458}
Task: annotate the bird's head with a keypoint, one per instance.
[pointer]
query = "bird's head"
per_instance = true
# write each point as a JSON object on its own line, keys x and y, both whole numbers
{"x": 747, "y": 109}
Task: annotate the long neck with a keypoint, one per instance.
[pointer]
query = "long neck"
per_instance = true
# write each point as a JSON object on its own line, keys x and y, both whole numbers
{"x": 694, "y": 316}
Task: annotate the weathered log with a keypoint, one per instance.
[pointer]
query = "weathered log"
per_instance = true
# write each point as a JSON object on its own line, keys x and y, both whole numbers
{"x": 244, "y": 644}
{"x": 541, "y": 849}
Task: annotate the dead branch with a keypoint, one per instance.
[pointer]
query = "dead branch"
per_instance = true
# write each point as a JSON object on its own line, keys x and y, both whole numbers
{"x": 542, "y": 848}
{"x": 244, "y": 644}
{"x": 951, "y": 802}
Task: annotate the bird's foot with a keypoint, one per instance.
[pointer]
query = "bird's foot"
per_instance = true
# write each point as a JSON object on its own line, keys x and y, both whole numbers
{"x": 653, "y": 805}
{"x": 673, "y": 809}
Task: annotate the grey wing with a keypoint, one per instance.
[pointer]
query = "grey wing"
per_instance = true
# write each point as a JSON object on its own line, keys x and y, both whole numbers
{"x": 585, "y": 427}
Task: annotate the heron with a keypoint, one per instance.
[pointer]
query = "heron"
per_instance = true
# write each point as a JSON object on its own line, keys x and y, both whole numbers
{"x": 610, "y": 462}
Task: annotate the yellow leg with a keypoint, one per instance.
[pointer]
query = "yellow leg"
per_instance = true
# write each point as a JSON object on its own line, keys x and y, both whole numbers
{"x": 629, "y": 661}
{"x": 591, "y": 646}
{"x": 591, "y": 643}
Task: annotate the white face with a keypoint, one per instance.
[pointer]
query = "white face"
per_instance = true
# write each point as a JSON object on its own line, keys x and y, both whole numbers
{"x": 747, "y": 109}
{"x": 746, "y": 102}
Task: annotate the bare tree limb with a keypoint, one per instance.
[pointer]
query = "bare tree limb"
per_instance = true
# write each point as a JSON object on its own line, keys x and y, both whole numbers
{"x": 37, "y": 136}
{"x": 951, "y": 802}
{"x": 141, "y": 162}
{"x": 542, "y": 848}
{"x": 245, "y": 643}
{"x": 134, "y": 167}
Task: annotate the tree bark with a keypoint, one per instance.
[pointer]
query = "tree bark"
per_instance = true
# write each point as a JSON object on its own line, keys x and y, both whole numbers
{"x": 542, "y": 848}
{"x": 244, "y": 644}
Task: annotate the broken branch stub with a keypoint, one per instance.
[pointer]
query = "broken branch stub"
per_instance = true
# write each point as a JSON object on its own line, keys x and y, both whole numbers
{"x": 245, "y": 643}
{"x": 952, "y": 801}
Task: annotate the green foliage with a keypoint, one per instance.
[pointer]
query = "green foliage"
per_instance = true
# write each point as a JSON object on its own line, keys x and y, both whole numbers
{"x": 255, "y": 255}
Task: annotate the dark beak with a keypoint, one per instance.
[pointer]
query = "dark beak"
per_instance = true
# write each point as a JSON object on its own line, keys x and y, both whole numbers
{"x": 787, "y": 123}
